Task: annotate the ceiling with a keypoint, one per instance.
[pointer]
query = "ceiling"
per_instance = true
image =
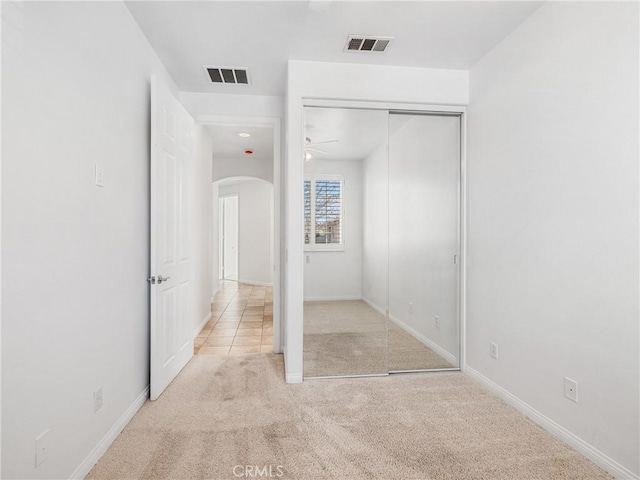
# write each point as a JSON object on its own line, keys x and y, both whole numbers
{"x": 263, "y": 35}
{"x": 358, "y": 132}
{"x": 228, "y": 145}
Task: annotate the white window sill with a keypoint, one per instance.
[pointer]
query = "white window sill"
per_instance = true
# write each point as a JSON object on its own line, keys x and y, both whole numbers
{"x": 337, "y": 248}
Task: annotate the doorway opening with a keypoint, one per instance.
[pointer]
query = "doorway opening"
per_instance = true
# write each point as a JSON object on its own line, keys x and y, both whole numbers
{"x": 242, "y": 308}
{"x": 228, "y": 237}
{"x": 246, "y": 228}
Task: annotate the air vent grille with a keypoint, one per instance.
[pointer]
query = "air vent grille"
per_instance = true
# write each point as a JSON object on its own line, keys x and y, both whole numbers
{"x": 380, "y": 45}
{"x": 228, "y": 75}
{"x": 367, "y": 43}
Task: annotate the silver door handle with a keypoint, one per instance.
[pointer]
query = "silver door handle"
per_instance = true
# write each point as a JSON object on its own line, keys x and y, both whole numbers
{"x": 160, "y": 279}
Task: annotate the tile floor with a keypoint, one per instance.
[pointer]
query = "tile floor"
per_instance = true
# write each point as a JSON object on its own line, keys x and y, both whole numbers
{"x": 241, "y": 321}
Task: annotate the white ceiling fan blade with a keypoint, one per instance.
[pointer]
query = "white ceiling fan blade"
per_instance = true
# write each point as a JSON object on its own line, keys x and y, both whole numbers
{"x": 326, "y": 141}
{"x": 311, "y": 149}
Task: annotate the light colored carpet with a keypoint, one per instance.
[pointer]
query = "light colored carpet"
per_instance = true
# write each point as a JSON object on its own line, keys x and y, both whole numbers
{"x": 236, "y": 410}
{"x": 344, "y": 338}
{"x": 346, "y": 353}
{"x": 351, "y": 338}
{"x": 409, "y": 353}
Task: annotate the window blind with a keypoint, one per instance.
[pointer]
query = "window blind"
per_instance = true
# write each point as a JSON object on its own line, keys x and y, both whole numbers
{"x": 307, "y": 212}
{"x": 328, "y": 212}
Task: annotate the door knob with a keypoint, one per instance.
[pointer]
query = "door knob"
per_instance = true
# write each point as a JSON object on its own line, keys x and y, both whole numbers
{"x": 162, "y": 279}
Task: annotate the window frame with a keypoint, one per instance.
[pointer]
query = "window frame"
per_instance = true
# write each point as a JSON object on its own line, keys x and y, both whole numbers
{"x": 323, "y": 247}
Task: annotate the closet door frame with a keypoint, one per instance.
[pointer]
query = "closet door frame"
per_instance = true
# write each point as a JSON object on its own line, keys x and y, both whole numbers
{"x": 415, "y": 108}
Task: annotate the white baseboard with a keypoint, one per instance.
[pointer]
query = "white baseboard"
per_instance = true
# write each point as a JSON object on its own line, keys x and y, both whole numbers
{"x": 415, "y": 334}
{"x": 254, "y": 282}
{"x": 331, "y": 299}
{"x": 429, "y": 343}
{"x": 216, "y": 288}
{"x": 202, "y": 324}
{"x": 378, "y": 309}
{"x": 558, "y": 431}
{"x": 99, "y": 450}
{"x": 293, "y": 378}
{"x": 290, "y": 377}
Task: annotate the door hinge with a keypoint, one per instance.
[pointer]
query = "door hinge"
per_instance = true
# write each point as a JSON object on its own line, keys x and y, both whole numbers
{"x": 455, "y": 259}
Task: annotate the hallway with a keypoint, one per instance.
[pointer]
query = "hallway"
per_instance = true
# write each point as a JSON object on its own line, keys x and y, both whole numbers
{"x": 241, "y": 321}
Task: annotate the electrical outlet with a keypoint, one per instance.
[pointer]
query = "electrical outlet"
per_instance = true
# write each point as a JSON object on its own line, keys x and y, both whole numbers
{"x": 571, "y": 389}
{"x": 97, "y": 400}
{"x": 494, "y": 350}
{"x": 437, "y": 321}
{"x": 42, "y": 447}
{"x": 411, "y": 308}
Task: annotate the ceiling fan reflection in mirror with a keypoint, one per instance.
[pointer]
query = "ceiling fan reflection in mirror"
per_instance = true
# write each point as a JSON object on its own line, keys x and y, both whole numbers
{"x": 309, "y": 148}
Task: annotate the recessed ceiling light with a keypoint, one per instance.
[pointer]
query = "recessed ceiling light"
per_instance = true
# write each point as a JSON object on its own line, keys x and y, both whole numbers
{"x": 244, "y": 134}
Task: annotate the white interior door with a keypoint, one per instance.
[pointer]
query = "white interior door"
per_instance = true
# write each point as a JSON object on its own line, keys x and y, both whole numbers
{"x": 230, "y": 237}
{"x": 171, "y": 284}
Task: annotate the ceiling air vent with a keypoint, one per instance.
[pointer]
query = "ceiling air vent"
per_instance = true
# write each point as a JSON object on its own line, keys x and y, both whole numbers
{"x": 226, "y": 75}
{"x": 367, "y": 43}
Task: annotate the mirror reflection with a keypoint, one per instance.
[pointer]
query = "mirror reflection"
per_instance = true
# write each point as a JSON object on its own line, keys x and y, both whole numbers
{"x": 424, "y": 166}
{"x": 345, "y": 218}
{"x": 381, "y": 242}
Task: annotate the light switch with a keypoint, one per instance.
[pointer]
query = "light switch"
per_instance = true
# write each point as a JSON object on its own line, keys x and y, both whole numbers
{"x": 99, "y": 176}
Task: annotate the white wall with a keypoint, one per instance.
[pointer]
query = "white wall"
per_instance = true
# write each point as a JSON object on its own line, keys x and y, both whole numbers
{"x": 337, "y": 275}
{"x": 202, "y": 233}
{"x": 375, "y": 244}
{"x": 7, "y": 14}
{"x": 255, "y": 242}
{"x": 416, "y": 192}
{"x": 424, "y": 172}
{"x": 553, "y": 220}
{"x": 321, "y": 80}
{"x": 248, "y": 167}
{"x": 228, "y": 246}
{"x": 75, "y": 256}
{"x": 215, "y": 237}
{"x": 232, "y": 105}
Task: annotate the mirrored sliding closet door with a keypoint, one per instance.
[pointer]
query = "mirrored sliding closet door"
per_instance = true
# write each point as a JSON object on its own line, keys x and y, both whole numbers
{"x": 424, "y": 177}
{"x": 345, "y": 250}
{"x": 381, "y": 216}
